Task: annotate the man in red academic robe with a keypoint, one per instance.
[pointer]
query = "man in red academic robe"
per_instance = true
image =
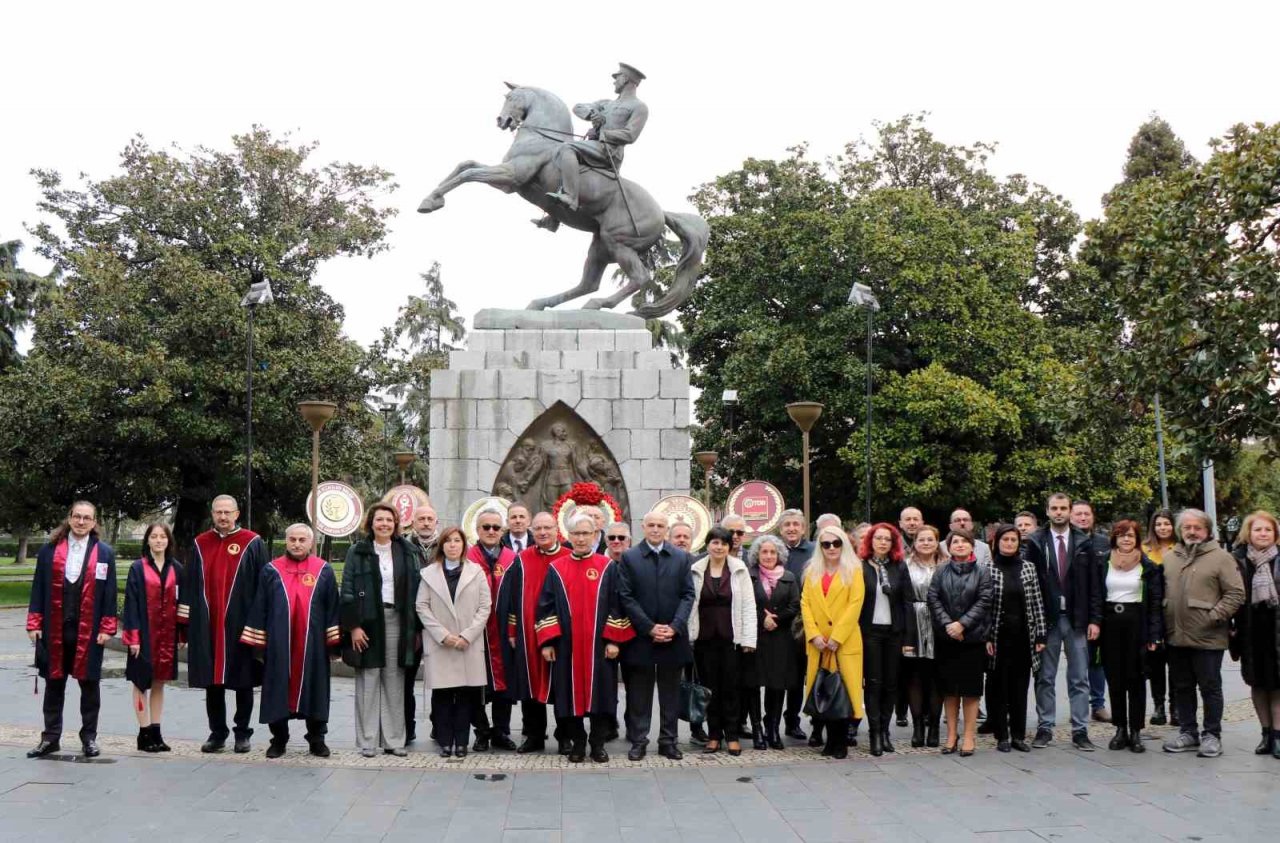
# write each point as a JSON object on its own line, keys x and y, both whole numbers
{"x": 294, "y": 622}
{"x": 528, "y": 675}
{"x": 580, "y": 627}
{"x": 489, "y": 553}
{"x": 220, "y": 582}
{"x": 71, "y": 615}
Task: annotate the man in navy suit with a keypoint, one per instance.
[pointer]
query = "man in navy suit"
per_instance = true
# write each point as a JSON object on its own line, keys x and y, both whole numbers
{"x": 1065, "y": 560}
{"x": 656, "y": 590}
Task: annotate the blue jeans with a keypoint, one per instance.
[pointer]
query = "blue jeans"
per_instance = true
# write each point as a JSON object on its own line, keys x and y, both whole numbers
{"x": 1097, "y": 681}
{"x": 1063, "y": 636}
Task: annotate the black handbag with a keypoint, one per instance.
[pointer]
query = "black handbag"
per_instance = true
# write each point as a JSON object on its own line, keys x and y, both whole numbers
{"x": 828, "y": 700}
{"x": 693, "y": 700}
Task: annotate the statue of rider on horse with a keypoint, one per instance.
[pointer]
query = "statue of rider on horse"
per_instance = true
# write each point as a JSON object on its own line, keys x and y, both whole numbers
{"x": 575, "y": 179}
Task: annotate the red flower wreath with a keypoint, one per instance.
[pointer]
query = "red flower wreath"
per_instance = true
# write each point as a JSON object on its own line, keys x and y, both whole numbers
{"x": 587, "y": 494}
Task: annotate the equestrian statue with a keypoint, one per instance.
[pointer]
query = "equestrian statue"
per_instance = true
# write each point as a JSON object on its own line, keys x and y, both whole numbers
{"x": 574, "y": 179}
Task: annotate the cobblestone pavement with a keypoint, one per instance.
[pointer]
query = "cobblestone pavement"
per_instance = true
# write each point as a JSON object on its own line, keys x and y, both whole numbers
{"x": 1057, "y": 794}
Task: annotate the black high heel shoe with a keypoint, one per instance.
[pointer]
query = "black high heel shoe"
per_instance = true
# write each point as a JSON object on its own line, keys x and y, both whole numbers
{"x": 951, "y": 750}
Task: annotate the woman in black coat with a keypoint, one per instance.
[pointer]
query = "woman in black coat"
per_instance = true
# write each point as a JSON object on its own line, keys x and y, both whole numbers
{"x": 882, "y": 623}
{"x": 1132, "y": 587}
{"x": 777, "y": 606}
{"x": 1255, "y": 640}
{"x": 1015, "y": 639}
{"x": 960, "y": 599}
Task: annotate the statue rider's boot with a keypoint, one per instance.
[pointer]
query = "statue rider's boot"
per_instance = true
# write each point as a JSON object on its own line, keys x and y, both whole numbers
{"x": 565, "y": 199}
{"x": 548, "y": 222}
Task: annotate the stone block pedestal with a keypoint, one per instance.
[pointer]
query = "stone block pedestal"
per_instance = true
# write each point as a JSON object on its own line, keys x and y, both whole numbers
{"x": 614, "y": 380}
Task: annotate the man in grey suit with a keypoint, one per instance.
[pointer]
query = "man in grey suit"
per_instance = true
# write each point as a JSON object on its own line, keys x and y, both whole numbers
{"x": 656, "y": 591}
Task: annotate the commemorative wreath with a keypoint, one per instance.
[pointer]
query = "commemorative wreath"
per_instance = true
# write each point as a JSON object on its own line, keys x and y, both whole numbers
{"x": 585, "y": 494}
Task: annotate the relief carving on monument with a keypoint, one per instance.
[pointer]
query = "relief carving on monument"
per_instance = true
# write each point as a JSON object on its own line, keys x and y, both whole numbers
{"x": 555, "y": 451}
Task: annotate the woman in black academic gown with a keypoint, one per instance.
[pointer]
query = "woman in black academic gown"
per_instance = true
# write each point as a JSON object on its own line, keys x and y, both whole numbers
{"x": 151, "y": 631}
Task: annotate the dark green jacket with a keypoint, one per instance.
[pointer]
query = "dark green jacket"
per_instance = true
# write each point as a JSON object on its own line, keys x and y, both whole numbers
{"x": 362, "y": 603}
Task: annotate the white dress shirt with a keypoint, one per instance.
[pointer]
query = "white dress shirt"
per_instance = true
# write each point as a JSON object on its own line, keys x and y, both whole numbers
{"x": 75, "y": 557}
{"x": 387, "y": 568}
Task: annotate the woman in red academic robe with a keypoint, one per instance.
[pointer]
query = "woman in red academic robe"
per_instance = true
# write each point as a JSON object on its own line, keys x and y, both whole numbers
{"x": 151, "y": 631}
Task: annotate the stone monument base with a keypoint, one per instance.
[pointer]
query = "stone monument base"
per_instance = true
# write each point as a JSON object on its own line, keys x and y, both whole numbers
{"x": 623, "y": 389}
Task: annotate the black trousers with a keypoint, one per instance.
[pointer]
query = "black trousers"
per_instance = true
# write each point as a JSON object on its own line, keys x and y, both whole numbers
{"x": 215, "y": 705}
{"x": 795, "y": 694}
{"x": 451, "y": 710}
{"x": 1009, "y": 681}
{"x": 773, "y": 707}
{"x": 501, "y": 724}
{"x": 574, "y": 730}
{"x": 881, "y": 652}
{"x": 640, "y": 681}
{"x": 533, "y": 718}
{"x": 1122, "y": 648}
{"x": 55, "y": 696}
{"x": 717, "y": 663}
{"x": 1189, "y": 667}
{"x": 280, "y": 729}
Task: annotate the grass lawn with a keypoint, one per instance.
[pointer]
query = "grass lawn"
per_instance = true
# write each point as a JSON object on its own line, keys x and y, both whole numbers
{"x": 15, "y": 593}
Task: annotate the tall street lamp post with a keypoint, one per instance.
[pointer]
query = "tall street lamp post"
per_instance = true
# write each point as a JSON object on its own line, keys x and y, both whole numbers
{"x": 316, "y": 413}
{"x": 259, "y": 293}
{"x": 861, "y": 296}
{"x": 805, "y": 415}
{"x": 730, "y": 400}
{"x": 706, "y": 459}
{"x": 404, "y": 459}
{"x": 387, "y": 409}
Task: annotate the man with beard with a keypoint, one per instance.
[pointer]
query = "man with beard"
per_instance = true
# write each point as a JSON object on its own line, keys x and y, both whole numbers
{"x": 423, "y": 538}
{"x": 294, "y": 622}
{"x": 220, "y": 584}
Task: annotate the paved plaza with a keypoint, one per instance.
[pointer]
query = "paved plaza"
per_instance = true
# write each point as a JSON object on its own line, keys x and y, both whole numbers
{"x": 1055, "y": 794}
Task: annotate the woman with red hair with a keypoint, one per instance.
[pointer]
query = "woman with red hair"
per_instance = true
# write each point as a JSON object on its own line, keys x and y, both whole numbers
{"x": 882, "y": 622}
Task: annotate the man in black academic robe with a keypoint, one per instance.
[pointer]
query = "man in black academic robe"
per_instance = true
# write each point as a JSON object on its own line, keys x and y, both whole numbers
{"x": 294, "y": 624}
{"x": 71, "y": 615}
{"x": 220, "y": 581}
{"x": 580, "y": 627}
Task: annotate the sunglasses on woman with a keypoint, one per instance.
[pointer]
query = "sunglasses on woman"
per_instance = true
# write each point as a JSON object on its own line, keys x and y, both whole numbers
{"x": 828, "y": 544}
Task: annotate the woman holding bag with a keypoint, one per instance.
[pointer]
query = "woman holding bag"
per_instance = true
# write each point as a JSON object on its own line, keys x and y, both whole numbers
{"x": 831, "y": 600}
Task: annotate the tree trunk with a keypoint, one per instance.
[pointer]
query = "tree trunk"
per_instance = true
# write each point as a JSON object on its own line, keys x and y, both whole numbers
{"x": 187, "y": 519}
{"x": 326, "y": 548}
{"x": 20, "y": 558}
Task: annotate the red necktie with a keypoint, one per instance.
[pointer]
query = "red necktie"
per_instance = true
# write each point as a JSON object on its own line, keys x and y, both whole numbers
{"x": 1062, "y": 561}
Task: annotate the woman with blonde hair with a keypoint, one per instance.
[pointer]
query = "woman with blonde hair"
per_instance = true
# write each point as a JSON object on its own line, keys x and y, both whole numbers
{"x": 831, "y": 600}
{"x": 1256, "y": 639}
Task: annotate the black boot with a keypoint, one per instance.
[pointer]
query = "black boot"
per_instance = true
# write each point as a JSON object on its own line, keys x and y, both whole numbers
{"x": 875, "y": 737}
{"x": 917, "y": 733}
{"x": 157, "y": 741}
{"x": 144, "y": 739}
{"x": 773, "y": 735}
{"x": 1121, "y": 739}
{"x": 885, "y": 742}
{"x": 1263, "y": 748}
{"x": 1158, "y": 716}
{"x": 931, "y": 735}
{"x": 758, "y": 740}
{"x": 1275, "y": 744}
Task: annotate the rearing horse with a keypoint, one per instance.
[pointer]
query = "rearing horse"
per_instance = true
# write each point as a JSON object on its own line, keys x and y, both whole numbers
{"x": 623, "y": 228}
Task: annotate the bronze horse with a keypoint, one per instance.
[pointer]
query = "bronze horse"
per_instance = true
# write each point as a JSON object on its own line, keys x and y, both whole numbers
{"x": 623, "y": 228}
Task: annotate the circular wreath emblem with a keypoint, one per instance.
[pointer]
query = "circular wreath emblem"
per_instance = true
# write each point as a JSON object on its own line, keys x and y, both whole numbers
{"x": 584, "y": 494}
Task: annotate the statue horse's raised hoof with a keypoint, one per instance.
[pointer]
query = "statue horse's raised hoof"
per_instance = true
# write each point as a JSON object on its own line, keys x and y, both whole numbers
{"x": 431, "y": 203}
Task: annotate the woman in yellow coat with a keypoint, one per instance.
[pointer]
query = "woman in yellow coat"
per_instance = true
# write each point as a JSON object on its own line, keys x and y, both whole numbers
{"x": 830, "y": 602}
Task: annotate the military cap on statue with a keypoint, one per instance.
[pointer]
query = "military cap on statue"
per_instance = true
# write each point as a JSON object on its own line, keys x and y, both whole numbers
{"x": 636, "y": 75}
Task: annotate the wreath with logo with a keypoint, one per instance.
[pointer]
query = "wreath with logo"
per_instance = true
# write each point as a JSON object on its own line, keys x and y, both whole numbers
{"x": 585, "y": 494}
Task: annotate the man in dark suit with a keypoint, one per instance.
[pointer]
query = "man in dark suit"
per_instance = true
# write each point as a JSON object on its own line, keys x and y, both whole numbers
{"x": 1065, "y": 559}
{"x": 656, "y": 591}
{"x": 792, "y": 526}
{"x": 517, "y": 536}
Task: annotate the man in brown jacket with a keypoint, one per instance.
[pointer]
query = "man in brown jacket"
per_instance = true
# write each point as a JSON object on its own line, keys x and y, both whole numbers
{"x": 1203, "y": 590}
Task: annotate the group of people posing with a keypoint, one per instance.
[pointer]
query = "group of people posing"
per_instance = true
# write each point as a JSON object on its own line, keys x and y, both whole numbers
{"x": 909, "y": 618}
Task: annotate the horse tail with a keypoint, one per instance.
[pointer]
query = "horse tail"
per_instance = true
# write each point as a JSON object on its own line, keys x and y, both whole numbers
{"x": 694, "y": 233}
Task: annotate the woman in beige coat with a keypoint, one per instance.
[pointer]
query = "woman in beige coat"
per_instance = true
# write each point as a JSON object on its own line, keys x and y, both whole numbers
{"x": 454, "y": 604}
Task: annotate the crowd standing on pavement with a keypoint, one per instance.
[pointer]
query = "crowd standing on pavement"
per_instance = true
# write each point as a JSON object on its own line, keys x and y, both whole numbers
{"x": 843, "y": 629}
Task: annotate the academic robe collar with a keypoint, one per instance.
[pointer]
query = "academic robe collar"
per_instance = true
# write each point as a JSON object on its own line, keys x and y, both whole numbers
{"x": 580, "y": 557}
{"x": 552, "y": 552}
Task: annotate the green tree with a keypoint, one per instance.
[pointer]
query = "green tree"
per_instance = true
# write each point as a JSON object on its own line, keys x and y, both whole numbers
{"x": 19, "y": 292}
{"x": 965, "y": 369}
{"x": 1191, "y": 257}
{"x": 426, "y": 329}
{"x": 134, "y": 392}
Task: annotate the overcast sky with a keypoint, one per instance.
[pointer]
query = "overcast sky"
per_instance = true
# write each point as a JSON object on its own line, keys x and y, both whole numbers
{"x": 1061, "y": 87}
